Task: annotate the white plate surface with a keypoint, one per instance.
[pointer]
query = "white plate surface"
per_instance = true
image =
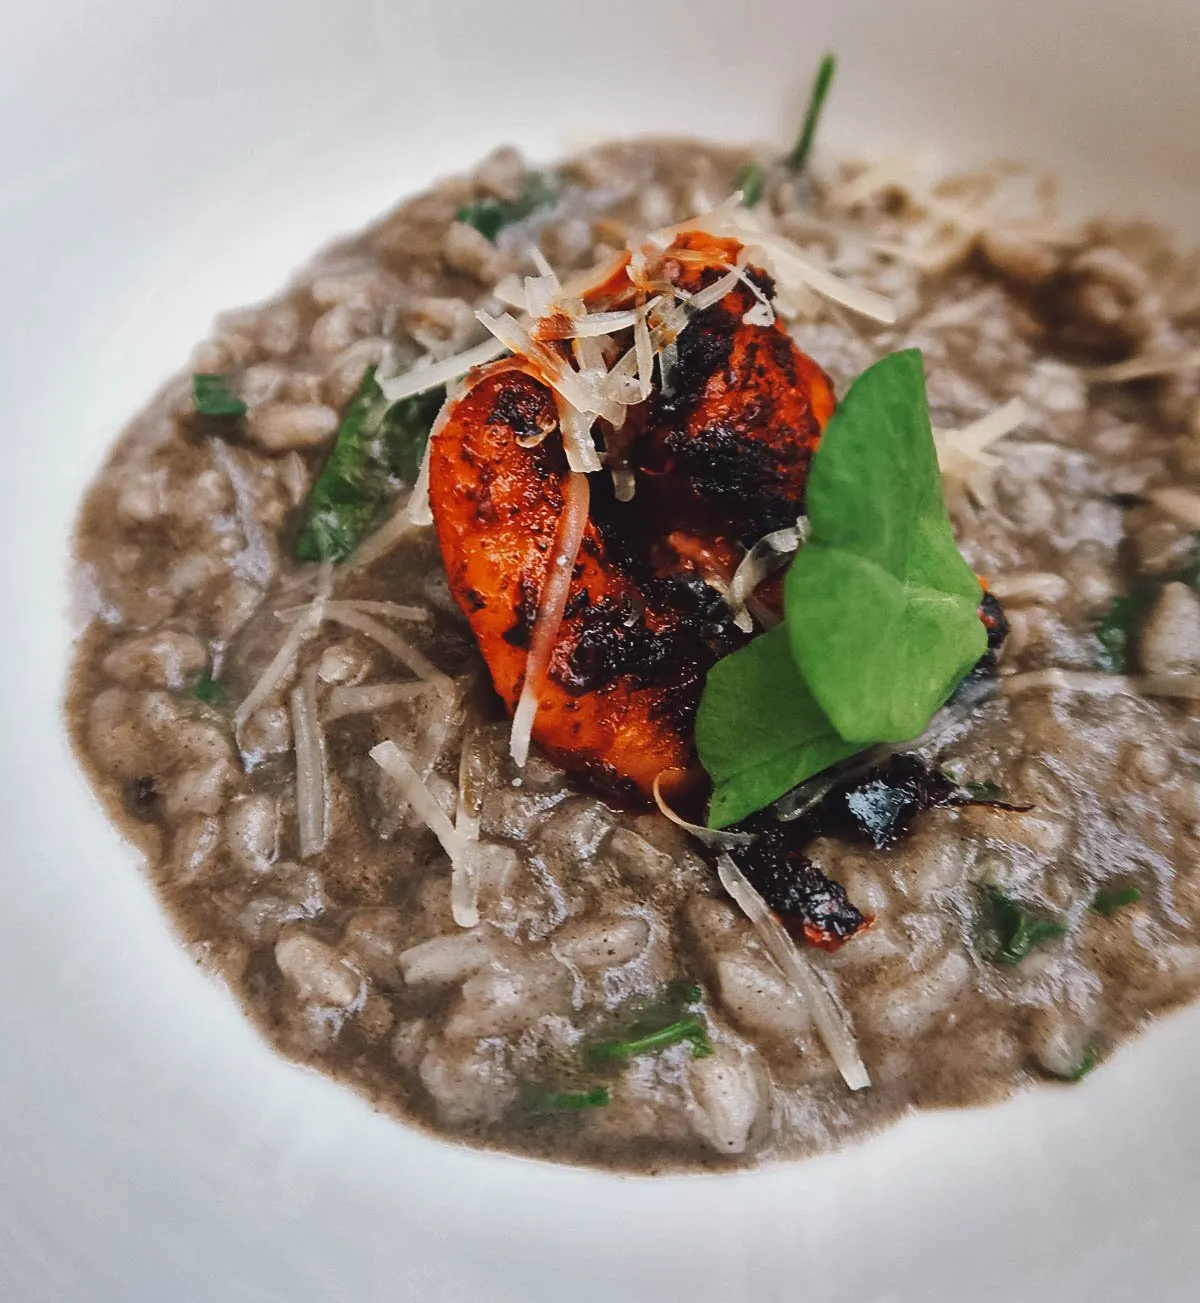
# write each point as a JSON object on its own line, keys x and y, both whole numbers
{"x": 162, "y": 160}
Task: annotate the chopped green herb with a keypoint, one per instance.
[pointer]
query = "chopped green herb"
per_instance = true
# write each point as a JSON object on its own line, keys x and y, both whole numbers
{"x": 1109, "y": 901}
{"x": 646, "y": 1027}
{"x": 1016, "y": 932}
{"x": 759, "y": 730}
{"x": 751, "y": 181}
{"x": 1119, "y": 623}
{"x": 882, "y": 610}
{"x": 683, "y": 1029}
{"x": 1086, "y": 1064}
{"x": 984, "y": 791}
{"x": 797, "y": 160}
{"x": 1116, "y": 628}
{"x": 213, "y": 397}
{"x": 490, "y": 216}
{"x": 376, "y": 445}
{"x": 566, "y": 1101}
{"x": 209, "y": 691}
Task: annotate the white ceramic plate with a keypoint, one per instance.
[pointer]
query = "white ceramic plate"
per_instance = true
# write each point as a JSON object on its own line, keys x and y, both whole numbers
{"x": 161, "y": 161}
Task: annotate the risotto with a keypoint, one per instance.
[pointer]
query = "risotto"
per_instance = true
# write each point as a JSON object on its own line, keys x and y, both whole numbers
{"x": 289, "y": 697}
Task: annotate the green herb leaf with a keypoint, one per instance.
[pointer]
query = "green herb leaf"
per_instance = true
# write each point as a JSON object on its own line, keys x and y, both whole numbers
{"x": 1116, "y": 628}
{"x": 881, "y": 607}
{"x": 1016, "y": 932}
{"x": 759, "y": 730}
{"x": 1086, "y": 1064}
{"x": 566, "y": 1101}
{"x": 209, "y": 691}
{"x": 646, "y": 1028}
{"x": 213, "y": 397}
{"x": 1110, "y": 901}
{"x": 1118, "y": 625}
{"x": 751, "y": 181}
{"x": 683, "y": 1029}
{"x": 375, "y": 445}
{"x": 490, "y": 216}
{"x": 797, "y": 160}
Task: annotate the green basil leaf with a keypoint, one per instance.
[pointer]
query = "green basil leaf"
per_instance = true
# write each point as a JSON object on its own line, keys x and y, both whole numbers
{"x": 213, "y": 397}
{"x": 797, "y": 160}
{"x": 881, "y": 607}
{"x": 375, "y": 444}
{"x": 490, "y": 216}
{"x": 759, "y": 731}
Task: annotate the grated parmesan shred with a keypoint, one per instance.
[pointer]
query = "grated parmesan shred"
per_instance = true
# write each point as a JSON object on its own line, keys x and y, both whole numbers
{"x": 831, "y": 1020}
{"x": 390, "y": 641}
{"x": 312, "y": 780}
{"x": 394, "y": 763}
{"x": 551, "y": 605}
{"x": 708, "y": 836}
{"x": 283, "y": 664}
{"x": 966, "y": 464}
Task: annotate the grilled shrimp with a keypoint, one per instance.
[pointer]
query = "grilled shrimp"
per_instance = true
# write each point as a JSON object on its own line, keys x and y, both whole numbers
{"x": 717, "y": 454}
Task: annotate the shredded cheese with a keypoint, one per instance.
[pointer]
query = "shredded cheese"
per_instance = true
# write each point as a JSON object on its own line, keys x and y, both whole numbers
{"x": 391, "y": 641}
{"x": 1146, "y": 367}
{"x": 359, "y": 698}
{"x": 709, "y": 836}
{"x": 966, "y": 464}
{"x": 831, "y": 1020}
{"x": 553, "y": 602}
{"x": 472, "y": 779}
{"x": 394, "y": 763}
{"x": 283, "y": 663}
{"x": 312, "y": 784}
{"x": 420, "y": 379}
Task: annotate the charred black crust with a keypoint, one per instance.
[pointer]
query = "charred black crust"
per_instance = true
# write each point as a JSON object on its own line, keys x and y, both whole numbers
{"x": 995, "y": 622}
{"x": 737, "y": 474}
{"x": 521, "y": 407}
{"x": 796, "y": 889}
{"x": 610, "y": 640}
{"x": 475, "y": 599}
{"x": 877, "y": 807}
{"x": 704, "y": 349}
{"x": 520, "y": 632}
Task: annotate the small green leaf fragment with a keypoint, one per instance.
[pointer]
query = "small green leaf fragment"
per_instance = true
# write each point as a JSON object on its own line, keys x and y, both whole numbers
{"x": 209, "y": 691}
{"x": 566, "y": 1101}
{"x": 683, "y": 1029}
{"x": 376, "y": 444}
{"x": 645, "y": 1027}
{"x": 213, "y": 397}
{"x": 1108, "y": 902}
{"x": 759, "y": 730}
{"x": 751, "y": 181}
{"x": 1086, "y": 1064}
{"x": 797, "y": 160}
{"x": 1115, "y": 632}
{"x": 490, "y": 216}
{"x": 1016, "y": 932}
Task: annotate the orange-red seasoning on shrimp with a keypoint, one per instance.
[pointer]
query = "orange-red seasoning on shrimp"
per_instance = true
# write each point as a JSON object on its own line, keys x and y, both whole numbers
{"x": 718, "y": 460}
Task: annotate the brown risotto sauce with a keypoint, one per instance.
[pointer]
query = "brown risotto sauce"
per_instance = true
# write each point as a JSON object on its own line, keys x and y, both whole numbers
{"x": 599, "y": 926}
